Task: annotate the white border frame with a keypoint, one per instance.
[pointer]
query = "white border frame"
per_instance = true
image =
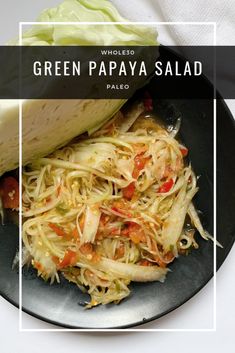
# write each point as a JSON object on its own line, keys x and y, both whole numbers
{"x": 152, "y": 23}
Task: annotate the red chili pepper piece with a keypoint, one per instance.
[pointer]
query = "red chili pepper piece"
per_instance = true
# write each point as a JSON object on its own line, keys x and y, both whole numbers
{"x": 58, "y": 230}
{"x": 148, "y": 102}
{"x": 129, "y": 191}
{"x": 140, "y": 162}
{"x": 184, "y": 151}
{"x": 70, "y": 259}
{"x": 166, "y": 186}
{"x": 9, "y": 190}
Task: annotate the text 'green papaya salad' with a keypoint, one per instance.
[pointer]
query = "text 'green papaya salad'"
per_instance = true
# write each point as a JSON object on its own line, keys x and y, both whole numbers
{"x": 111, "y": 208}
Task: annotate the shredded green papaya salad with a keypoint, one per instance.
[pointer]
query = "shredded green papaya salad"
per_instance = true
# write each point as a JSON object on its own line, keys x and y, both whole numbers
{"x": 111, "y": 208}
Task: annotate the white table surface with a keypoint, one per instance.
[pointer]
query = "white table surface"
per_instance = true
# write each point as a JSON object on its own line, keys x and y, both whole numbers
{"x": 196, "y": 313}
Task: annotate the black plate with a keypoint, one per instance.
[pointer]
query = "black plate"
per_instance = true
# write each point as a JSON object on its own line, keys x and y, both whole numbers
{"x": 61, "y": 303}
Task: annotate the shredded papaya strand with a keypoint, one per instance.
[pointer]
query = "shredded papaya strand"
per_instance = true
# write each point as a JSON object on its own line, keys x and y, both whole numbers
{"x": 137, "y": 241}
